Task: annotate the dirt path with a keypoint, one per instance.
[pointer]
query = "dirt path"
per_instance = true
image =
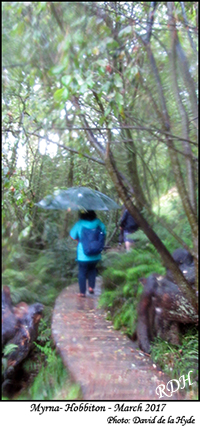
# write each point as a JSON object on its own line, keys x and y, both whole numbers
{"x": 106, "y": 363}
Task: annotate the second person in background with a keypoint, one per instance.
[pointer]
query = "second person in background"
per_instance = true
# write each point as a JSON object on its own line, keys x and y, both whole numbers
{"x": 127, "y": 226}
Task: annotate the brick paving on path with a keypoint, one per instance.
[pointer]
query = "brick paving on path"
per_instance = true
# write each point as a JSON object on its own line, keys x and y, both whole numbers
{"x": 105, "y": 362}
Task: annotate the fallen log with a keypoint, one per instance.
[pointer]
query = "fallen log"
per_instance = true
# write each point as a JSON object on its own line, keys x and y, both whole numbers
{"x": 19, "y": 328}
{"x": 163, "y": 311}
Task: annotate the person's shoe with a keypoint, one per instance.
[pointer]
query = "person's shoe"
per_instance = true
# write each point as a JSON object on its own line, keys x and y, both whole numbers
{"x": 81, "y": 295}
{"x": 91, "y": 291}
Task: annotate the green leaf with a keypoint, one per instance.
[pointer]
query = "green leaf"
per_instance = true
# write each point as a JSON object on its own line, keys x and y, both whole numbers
{"x": 119, "y": 99}
{"x": 65, "y": 94}
{"x": 90, "y": 82}
{"x": 25, "y": 232}
{"x": 57, "y": 69}
{"x": 18, "y": 31}
{"x": 101, "y": 62}
{"x": 106, "y": 87}
{"x": 101, "y": 120}
{"x": 74, "y": 85}
{"x": 126, "y": 31}
{"x": 118, "y": 81}
{"x": 111, "y": 43}
{"x": 107, "y": 111}
{"x": 66, "y": 80}
{"x": 58, "y": 95}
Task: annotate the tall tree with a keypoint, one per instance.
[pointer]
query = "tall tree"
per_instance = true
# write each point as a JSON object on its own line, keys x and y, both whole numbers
{"x": 123, "y": 76}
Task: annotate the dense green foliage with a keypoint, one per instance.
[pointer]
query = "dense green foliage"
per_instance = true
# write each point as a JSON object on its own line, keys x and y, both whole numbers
{"x": 121, "y": 280}
{"x": 122, "y": 271}
{"x": 122, "y": 290}
{"x": 179, "y": 360}
{"x": 40, "y": 276}
{"x": 120, "y": 298}
{"x": 51, "y": 380}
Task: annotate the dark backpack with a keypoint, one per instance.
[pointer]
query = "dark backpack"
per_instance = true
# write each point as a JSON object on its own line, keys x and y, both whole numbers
{"x": 132, "y": 226}
{"x": 92, "y": 240}
{"x": 128, "y": 223}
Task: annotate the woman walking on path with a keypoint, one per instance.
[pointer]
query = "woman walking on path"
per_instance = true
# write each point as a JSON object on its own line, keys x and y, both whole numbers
{"x": 84, "y": 231}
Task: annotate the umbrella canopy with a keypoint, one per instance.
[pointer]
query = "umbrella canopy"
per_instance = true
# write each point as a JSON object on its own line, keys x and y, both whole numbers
{"x": 78, "y": 198}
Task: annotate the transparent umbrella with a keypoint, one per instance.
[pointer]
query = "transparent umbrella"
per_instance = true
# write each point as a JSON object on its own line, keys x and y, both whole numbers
{"x": 78, "y": 198}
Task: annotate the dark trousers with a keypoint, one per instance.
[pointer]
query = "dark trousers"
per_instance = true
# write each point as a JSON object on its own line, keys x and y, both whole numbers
{"x": 86, "y": 270}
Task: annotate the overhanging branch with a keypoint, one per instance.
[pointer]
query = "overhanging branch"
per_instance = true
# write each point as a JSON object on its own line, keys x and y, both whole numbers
{"x": 69, "y": 149}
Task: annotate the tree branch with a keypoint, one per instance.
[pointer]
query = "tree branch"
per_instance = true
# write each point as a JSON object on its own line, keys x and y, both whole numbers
{"x": 69, "y": 149}
{"x": 184, "y": 67}
{"x": 137, "y": 128}
{"x": 185, "y": 130}
{"x": 94, "y": 142}
{"x": 56, "y": 16}
{"x": 165, "y": 255}
{"x": 150, "y": 22}
{"x": 192, "y": 44}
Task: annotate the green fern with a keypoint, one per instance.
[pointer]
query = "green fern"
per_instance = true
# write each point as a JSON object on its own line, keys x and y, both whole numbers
{"x": 113, "y": 278}
{"x": 9, "y": 348}
{"x": 178, "y": 360}
{"x": 122, "y": 286}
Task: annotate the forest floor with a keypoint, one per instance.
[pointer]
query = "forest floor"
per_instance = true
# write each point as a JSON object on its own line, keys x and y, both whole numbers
{"x": 104, "y": 362}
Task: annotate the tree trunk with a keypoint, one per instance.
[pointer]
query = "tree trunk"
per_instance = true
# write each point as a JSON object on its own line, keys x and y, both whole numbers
{"x": 165, "y": 255}
{"x": 123, "y": 193}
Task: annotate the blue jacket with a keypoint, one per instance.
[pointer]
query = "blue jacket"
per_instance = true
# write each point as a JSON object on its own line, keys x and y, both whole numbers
{"x": 75, "y": 234}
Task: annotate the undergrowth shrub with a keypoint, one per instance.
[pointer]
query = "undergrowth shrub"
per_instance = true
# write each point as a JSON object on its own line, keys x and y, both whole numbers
{"x": 122, "y": 272}
{"x": 51, "y": 379}
{"x": 45, "y": 375}
{"x": 122, "y": 286}
{"x": 178, "y": 360}
{"x": 39, "y": 276}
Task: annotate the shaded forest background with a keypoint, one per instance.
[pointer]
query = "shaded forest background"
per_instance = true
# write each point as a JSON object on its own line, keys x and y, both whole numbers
{"x": 100, "y": 94}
